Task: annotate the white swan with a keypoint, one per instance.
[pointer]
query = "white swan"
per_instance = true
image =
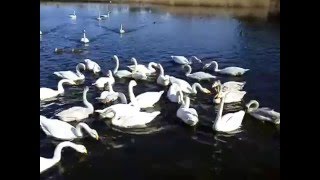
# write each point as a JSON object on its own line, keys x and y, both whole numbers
{"x": 120, "y": 73}
{"x": 162, "y": 79}
{"x": 63, "y": 130}
{"x": 230, "y": 85}
{"x": 183, "y": 60}
{"x": 121, "y": 30}
{"x": 40, "y": 32}
{"x": 78, "y": 76}
{"x": 105, "y": 15}
{"x": 132, "y": 120}
{"x": 73, "y": 16}
{"x": 185, "y": 113}
{"x": 138, "y": 75}
{"x": 144, "y": 100}
{"x": 92, "y": 66}
{"x": 100, "y": 83}
{"x": 172, "y": 93}
{"x": 46, "y": 163}
{"x": 84, "y": 39}
{"x": 233, "y": 95}
{"x": 99, "y": 17}
{"x": 199, "y": 75}
{"x": 46, "y": 93}
{"x": 77, "y": 113}
{"x": 233, "y": 71}
{"x": 186, "y": 87}
{"x": 109, "y": 96}
{"x": 263, "y": 114}
{"x": 142, "y": 68}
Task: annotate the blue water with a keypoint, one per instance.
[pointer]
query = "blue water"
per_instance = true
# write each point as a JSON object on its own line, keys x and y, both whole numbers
{"x": 167, "y": 148}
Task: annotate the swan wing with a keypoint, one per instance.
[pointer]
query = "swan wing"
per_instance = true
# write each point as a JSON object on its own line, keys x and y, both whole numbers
{"x": 180, "y": 59}
{"x": 46, "y": 163}
{"x": 123, "y": 73}
{"x": 46, "y": 93}
{"x": 73, "y": 114}
{"x": 232, "y": 121}
{"x": 58, "y": 129}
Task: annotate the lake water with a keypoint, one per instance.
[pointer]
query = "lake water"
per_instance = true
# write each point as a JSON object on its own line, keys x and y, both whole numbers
{"x": 167, "y": 148}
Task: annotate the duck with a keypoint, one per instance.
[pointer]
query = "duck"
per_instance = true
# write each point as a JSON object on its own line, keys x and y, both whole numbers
{"x": 77, "y": 113}
{"x": 263, "y": 114}
{"x": 75, "y": 77}
{"x": 232, "y": 71}
{"x": 185, "y": 113}
{"x": 47, "y": 163}
{"x": 64, "y": 131}
{"x": 47, "y": 93}
{"x": 144, "y": 100}
{"x": 199, "y": 75}
{"x": 100, "y": 83}
{"x": 120, "y": 73}
{"x": 184, "y": 61}
{"x": 92, "y": 66}
{"x": 84, "y": 39}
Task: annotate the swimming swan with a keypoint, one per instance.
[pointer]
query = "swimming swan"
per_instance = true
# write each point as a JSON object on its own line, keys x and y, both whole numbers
{"x": 199, "y": 75}
{"x": 84, "y": 39}
{"x": 92, "y": 66}
{"x": 46, "y": 93}
{"x": 230, "y": 85}
{"x": 233, "y": 95}
{"x": 186, "y": 87}
{"x": 65, "y": 131}
{"x": 184, "y": 61}
{"x": 121, "y": 29}
{"x": 185, "y": 113}
{"x": 110, "y": 95}
{"x": 120, "y": 73}
{"x": 100, "y": 83}
{"x": 78, "y": 76}
{"x": 172, "y": 93}
{"x": 73, "y": 16}
{"x": 144, "y": 100}
{"x": 162, "y": 79}
{"x": 142, "y": 68}
{"x": 228, "y": 122}
{"x": 263, "y": 114}
{"x": 233, "y": 71}
{"x": 77, "y": 113}
{"x": 46, "y": 163}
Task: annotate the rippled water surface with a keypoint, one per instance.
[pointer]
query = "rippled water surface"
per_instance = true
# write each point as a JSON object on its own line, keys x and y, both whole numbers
{"x": 167, "y": 148}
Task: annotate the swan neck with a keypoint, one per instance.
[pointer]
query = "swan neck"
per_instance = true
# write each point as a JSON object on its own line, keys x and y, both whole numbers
{"x": 131, "y": 95}
{"x": 219, "y": 115}
{"x": 110, "y": 87}
{"x": 122, "y": 98}
{"x": 187, "y": 102}
{"x": 57, "y": 151}
{"x": 86, "y": 102}
{"x": 161, "y": 69}
{"x": 150, "y": 66}
{"x": 189, "y": 70}
{"x": 78, "y": 70}
{"x": 215, "y": 65}
{"x": 117, "y": 64}
{"x": 60, "y": 86}
{"x": 252, "y": 105}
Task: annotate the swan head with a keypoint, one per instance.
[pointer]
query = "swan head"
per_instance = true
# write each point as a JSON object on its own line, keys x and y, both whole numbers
{"x": 94, "y": 134}
{"x": 87, "y": 60}
{"x": 81, "y": 149}
{"x": 86, "y": 89}
{"x": 132, "y": 83}
{"x": 133, "y": 59}
{"x": 206, "y": 66}
{"x": 84, "y": 31}
{"x": 115, "y": 57}
{"x": 277, "y": 121}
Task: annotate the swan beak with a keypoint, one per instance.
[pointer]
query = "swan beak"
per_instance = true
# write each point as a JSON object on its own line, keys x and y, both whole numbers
{"x": 97, "y": 138}
{"x": 85, "y": 152}
{"x": 207, "y": 91}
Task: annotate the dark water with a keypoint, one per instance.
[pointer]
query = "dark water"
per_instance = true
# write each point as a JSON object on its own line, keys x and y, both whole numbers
{"x": 167, "y": 148}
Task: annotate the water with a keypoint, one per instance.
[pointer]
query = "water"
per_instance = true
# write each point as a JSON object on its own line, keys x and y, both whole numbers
{"x": 167, "y": 148}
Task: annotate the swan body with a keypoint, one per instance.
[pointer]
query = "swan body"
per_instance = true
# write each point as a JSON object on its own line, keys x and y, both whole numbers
{"x": 65, "y": 131}
{"x": 183, "y": 60}
{"x": 92, "y": 66}
{"x": 162, "y": 79}
{"x": 144, "y": 100}
{"x": 73, "y": 16}
{"x": 78, "y": 76}
{"x": 120, "y": 109}
{"x": 228, "y": 122}
{"x": 198, "y": 75}
{"x": 263, "y": 114}
{"x": 133, "y": 120}
{"x": 99, "y": 17}
{"x": 77, "y": 113}
{"x": 46, "y": 163}
{"x": 121, "y": 30}
{"x": 120, "y": 73}
{"x": 100, "y": 83}
{"x": 173, "y": 93}
{"x": 229, "y": 86}
{"x": 185, "y": 113}
{"x": 47, "y": 93}
{"x": 184, "y": 85}
{"x": 233, "y": 71}
{"x": 84, "y": 39}
{"x": 142, "y": 68}
{"x": 109, "y": 96}
{"x": 233, "y": 95}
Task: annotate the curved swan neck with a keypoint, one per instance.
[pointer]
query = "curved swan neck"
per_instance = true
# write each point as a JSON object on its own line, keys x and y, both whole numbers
{"x": 189, "y": 70}
{"x": 82, "y": 126}
{"x": 219, "y": 115}
{"x": 110, "y": 74}
{"x": 131, "y": 94}
{"x": 117, "y": 64}
{"x": 58, "y": 149}
{"x": 110, "y": 87}
{"x": 252, "y": 105}
{"x": 194, "y": 88}
{"x": 60, "y": 85}
{"x": 135, "y": 63}
{"x": 85, "y": 101}
{"x": 110, "y": 110}
{"x": 215, "y": 65}
{"x": 122, "y": 98}
{"x": 161, "y": 69}
{"x": 78, "y": 69}
{"x": 152, "y": 64}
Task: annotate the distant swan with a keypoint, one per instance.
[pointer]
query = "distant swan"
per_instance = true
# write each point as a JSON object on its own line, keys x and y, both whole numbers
{"x": 46, "y": 93}
{"x": 184, "y": 61}
{"x": 185, "y": 113}
{"x": 84, "y": 39}
{"x": 144, "y": 100}
{"x": 120, "y": 73}
{"x": 233, "y": 71}
{"x": 263, "y": 114}
{"x": 100, "y": 83}
{"x": 40, "y": 32}
{"x": 77, "y": 113}
{"x": 99, "y": 17}
{"x": 73, "y": 16}
{"x": 46, "y": 163}
{"x": 65, "y": 131}
{"x": 92, "y": 66}
{"x": 132, "y": 120}
{"x": 199, "y": 75}
{"x": 228, "y": 122}
{"x": 78, "y": 76}
{"x": 162, "y": 79}
{"x": 121, "y": 30}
